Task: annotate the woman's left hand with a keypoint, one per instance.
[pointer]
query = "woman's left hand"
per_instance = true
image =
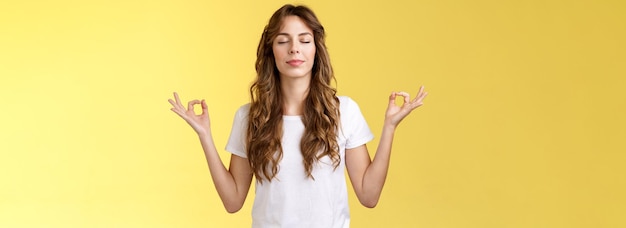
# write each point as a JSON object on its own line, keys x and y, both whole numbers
{"x": 396, "y": 113}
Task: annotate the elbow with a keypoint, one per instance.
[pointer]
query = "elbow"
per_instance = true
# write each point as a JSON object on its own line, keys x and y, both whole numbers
{"x": 232, "y": 210}
{"x": 371, "y": 203}
{"x": 233, "y": 207}
{"x": 233, "y": 204}
{"x": 368, "y": 199}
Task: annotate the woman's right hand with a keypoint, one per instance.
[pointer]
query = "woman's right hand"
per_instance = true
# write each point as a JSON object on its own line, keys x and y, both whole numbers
{"x": 200, "y": 123}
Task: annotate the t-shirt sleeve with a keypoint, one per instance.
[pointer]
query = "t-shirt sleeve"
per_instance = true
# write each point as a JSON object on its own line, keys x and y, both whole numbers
{"x": 359, "y": 131}
{"x": 237, "y": 139}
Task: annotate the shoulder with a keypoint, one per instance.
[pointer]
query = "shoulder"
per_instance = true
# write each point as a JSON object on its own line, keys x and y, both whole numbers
{"x": 347, "y": 104}
{"x": 243, "y": 111}
{"x": 345, "y": 101}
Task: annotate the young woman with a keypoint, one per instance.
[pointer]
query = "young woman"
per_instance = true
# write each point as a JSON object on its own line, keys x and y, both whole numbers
{"x": 296, "y": 136}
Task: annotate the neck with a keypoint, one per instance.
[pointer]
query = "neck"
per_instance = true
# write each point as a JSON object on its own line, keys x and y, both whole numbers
{"x": 294, "y": 91}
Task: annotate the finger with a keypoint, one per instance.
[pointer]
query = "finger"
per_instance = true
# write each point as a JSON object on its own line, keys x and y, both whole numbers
{"x": 420, "y": 93}
{"x": 424, "y": 95}
{"x": 205, "y": 108}
{"x": 423, "y": 92}
{"x": 171, "y": 102}
{"x": 420, "y": 98}
{"x": 191, "y": 104}
{"x": 392, "y": 98}
{"x": 177, "y": 98}
{"x": 178, "y": 112}
{"x": 406, "y": 96}
{"x": 179, "y": 104}
{"x": 175, "y": 105}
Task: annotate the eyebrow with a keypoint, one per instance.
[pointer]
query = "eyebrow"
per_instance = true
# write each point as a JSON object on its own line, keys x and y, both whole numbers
{"x": 301, "y": 34}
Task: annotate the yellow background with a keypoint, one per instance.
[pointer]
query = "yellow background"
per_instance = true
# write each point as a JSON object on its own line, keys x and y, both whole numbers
{"x": 524, "y": 125}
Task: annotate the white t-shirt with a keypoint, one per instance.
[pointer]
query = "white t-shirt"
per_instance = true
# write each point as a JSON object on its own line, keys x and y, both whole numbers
{"x": 292, "y": 199}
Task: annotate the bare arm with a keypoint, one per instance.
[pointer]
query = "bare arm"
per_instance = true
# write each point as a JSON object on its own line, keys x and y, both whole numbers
{"x": 368, "y": 176}
{"x": 231, "y": 184}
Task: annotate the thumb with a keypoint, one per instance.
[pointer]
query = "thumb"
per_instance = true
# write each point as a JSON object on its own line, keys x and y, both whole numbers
{"x": 392, "y": 98}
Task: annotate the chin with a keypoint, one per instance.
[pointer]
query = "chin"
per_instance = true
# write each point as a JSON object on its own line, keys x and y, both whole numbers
{"x": 296, "y": 74}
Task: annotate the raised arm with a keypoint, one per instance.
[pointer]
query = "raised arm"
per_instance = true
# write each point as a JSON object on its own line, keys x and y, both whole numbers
{"x": 368, "y": 176}
{"x": 232, "y": 184}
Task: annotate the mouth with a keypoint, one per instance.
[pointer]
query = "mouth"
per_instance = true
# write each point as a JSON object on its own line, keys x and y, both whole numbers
{"x": 295, "y": 62}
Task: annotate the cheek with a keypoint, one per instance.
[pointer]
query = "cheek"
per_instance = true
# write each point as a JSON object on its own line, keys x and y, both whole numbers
{"x": 276, "y": 52}
{"x": 279, "y": 57}
{"x": 311, "y": 52}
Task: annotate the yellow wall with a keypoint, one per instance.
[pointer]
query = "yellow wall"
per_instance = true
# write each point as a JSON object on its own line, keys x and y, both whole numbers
{"x": 524, "y": 125}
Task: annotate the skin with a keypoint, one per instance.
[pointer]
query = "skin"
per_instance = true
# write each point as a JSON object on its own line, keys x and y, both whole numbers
{"x": 296, "y": 42}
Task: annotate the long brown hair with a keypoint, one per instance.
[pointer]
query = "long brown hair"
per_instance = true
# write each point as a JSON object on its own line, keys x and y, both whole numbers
{"x": 321, "y": 107}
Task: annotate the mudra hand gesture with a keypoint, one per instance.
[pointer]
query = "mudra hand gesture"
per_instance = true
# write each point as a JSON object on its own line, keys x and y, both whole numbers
{"x": 396, "y": 113}
{"x": 200, "y": 123}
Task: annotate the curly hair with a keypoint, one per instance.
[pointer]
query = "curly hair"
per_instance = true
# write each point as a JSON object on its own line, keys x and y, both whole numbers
{"x": 321, "y": 106}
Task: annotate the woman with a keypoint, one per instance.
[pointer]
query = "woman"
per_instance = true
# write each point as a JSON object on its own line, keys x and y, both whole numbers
{"x": 296, "y": 136}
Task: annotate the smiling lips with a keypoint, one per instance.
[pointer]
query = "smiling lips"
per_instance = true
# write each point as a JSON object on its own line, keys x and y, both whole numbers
{"x": 295, "y": 62}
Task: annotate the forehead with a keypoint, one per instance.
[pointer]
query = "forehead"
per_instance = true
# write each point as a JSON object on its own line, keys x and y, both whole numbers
{"x": 294, "y": 25}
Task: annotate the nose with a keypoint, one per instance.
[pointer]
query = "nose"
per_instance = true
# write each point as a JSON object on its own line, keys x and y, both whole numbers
{"x": 294, "y": 49}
